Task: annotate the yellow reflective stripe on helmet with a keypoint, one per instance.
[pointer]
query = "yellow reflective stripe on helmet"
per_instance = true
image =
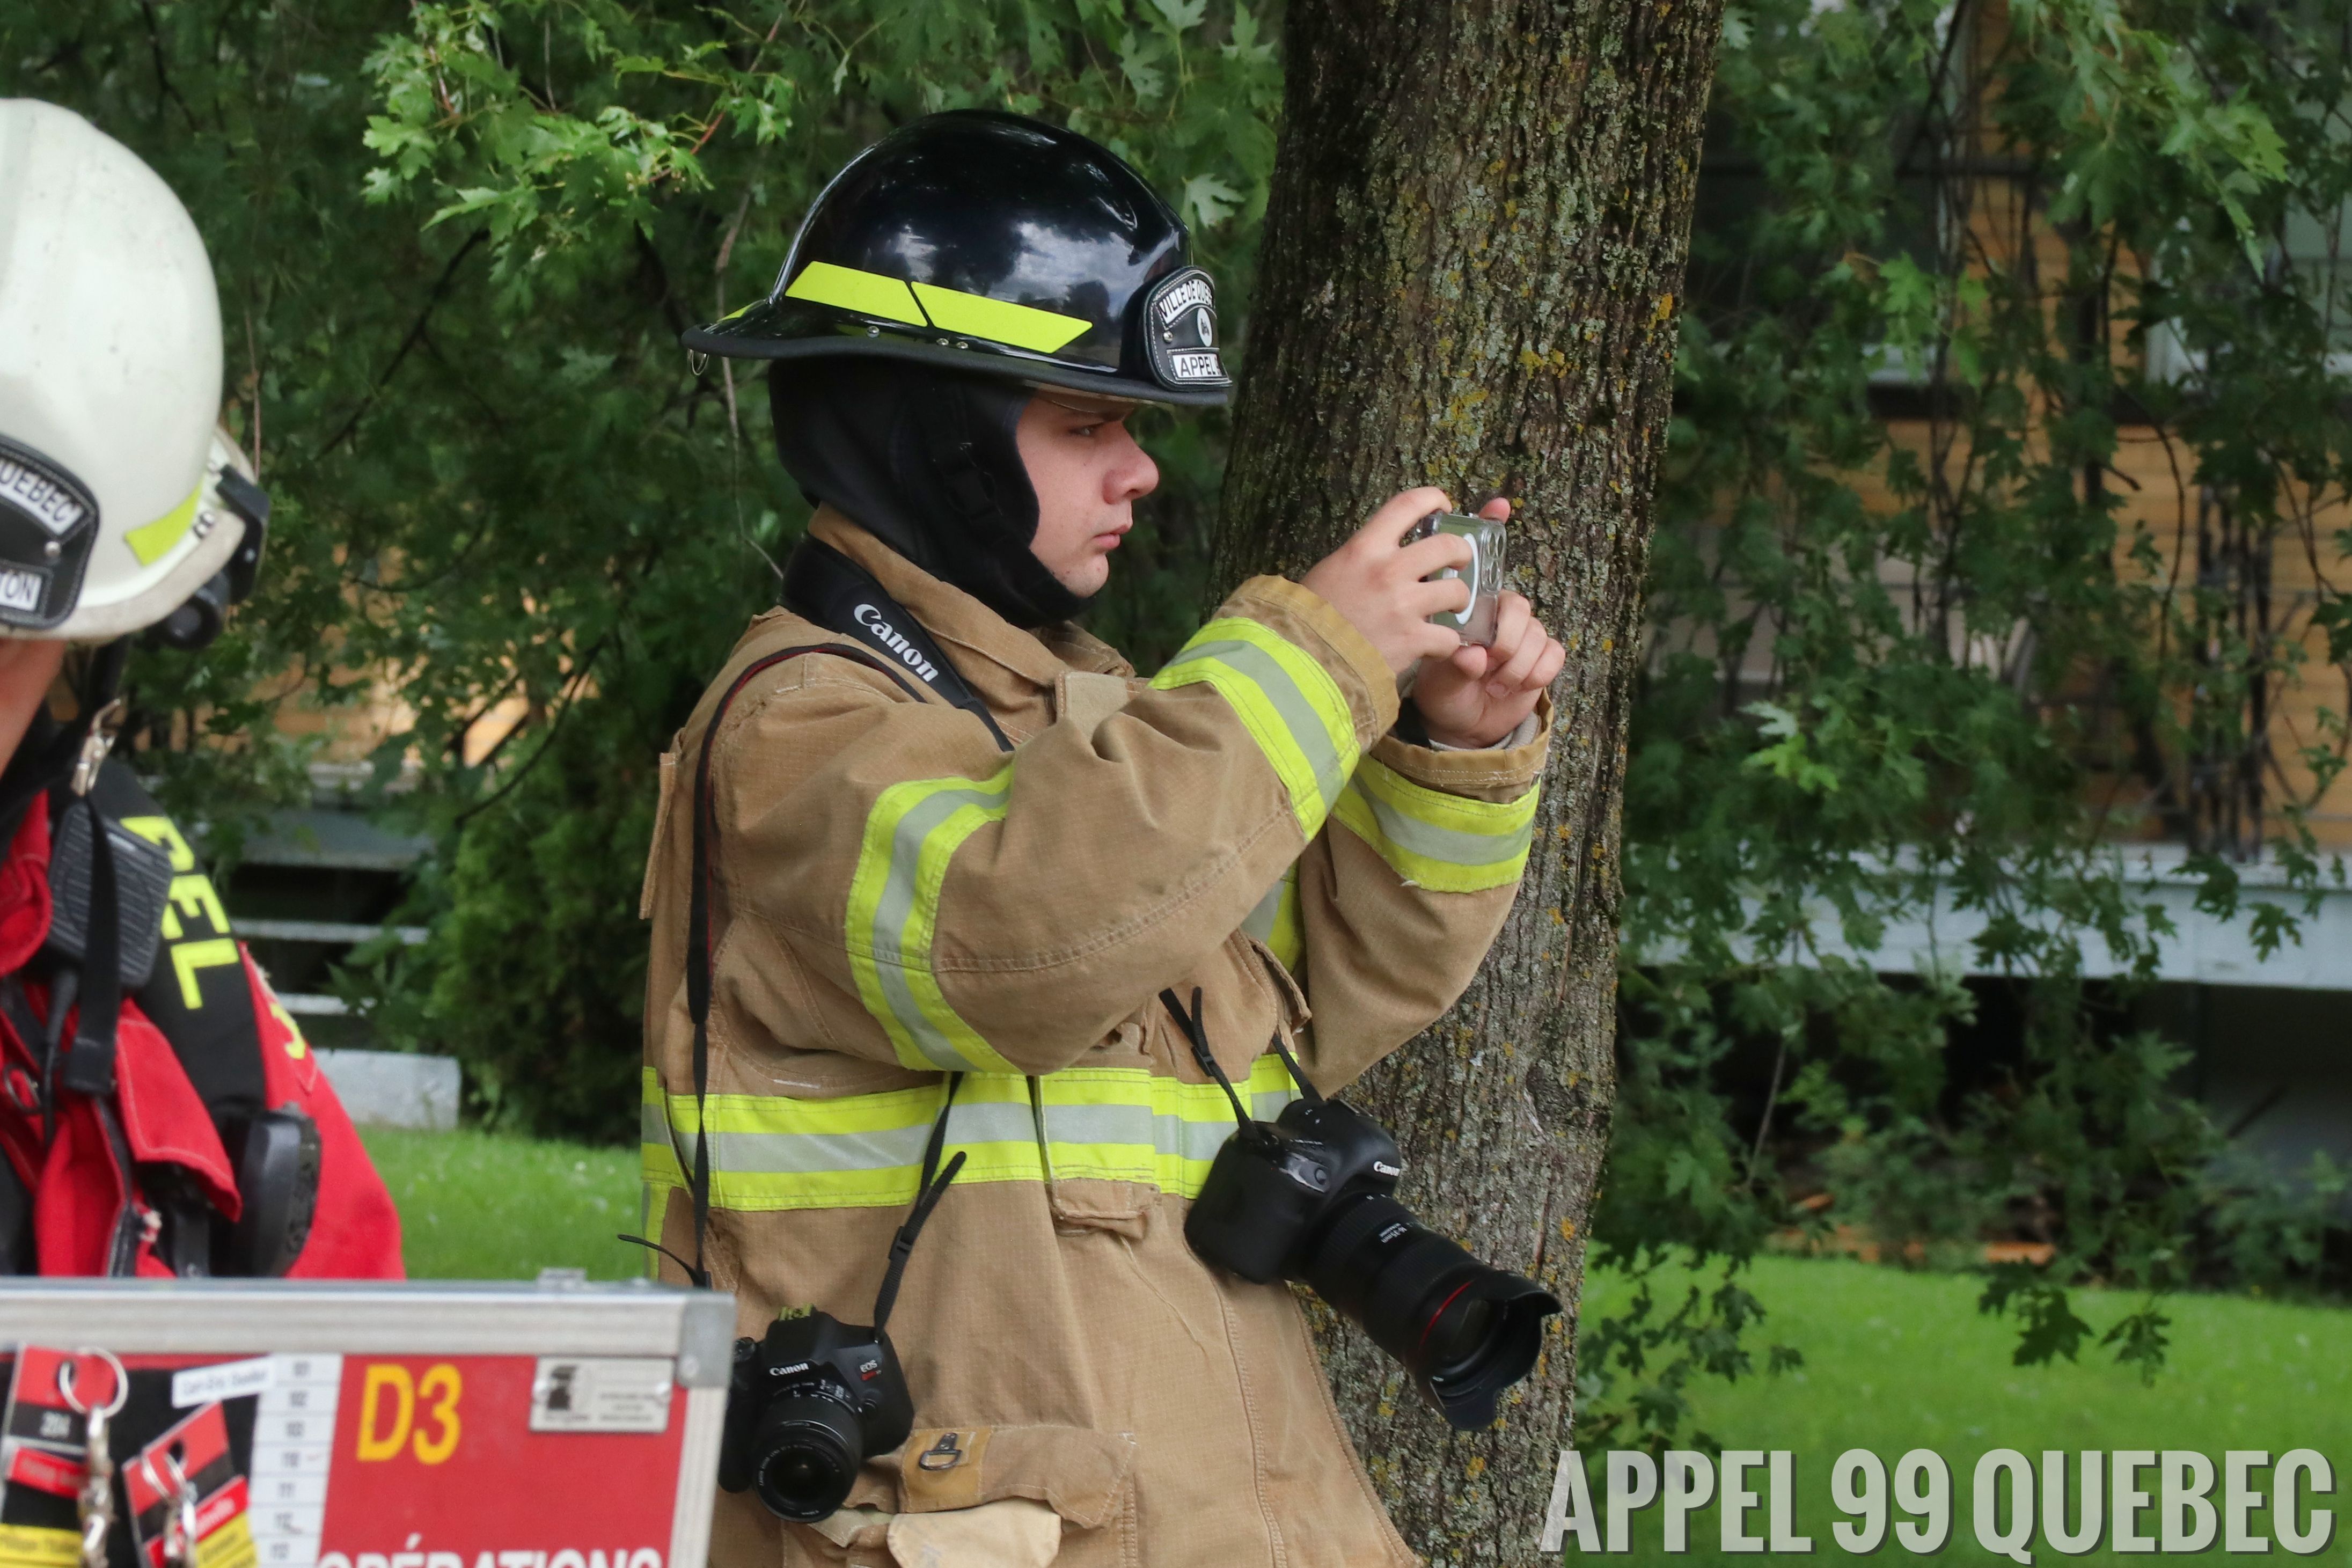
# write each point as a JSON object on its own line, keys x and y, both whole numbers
{"x": 1290, "y": 705}
{"x": 150, "y": 542}
{"x": 1023, "y": 326}
{"x": 865, "y": 1150}
{"x": 912, "y": 833}
{"x": 848, "y": 289}
{"x": 1274, "y": 921}
{"x": 950, "y": 309}
{"x": 1432, "y": 839}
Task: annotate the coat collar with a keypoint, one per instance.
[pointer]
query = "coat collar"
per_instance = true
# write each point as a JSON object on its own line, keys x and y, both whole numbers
{"x": 1011, "y": 668}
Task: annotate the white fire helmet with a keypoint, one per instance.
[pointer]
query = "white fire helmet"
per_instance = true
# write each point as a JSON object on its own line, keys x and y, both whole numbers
{"x": 119, "y": 504}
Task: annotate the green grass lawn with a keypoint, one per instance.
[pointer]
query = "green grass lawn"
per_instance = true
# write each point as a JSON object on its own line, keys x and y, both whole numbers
{"x": 1892, "y": 1361}
{"x": 477, "y": 1205}
{"x": 1895, "y": 1362}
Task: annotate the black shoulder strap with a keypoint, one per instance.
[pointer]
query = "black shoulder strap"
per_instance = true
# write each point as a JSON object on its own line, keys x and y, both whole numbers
{"x": 824, "y": 585}
{"x": 698, "y": 924}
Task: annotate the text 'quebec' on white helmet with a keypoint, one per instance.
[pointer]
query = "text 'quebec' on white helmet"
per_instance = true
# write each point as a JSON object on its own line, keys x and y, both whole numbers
{"x": 118, "y": 503}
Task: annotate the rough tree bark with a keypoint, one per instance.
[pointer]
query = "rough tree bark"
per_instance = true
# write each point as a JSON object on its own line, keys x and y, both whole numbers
{"x": 1472, "y": 265}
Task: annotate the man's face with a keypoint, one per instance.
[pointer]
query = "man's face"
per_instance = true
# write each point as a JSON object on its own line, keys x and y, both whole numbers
{"x": 1088, "y": 472}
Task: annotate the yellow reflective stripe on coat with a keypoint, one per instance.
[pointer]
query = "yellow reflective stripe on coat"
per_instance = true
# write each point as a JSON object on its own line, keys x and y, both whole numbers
{"x": 1446, "y": 842}
{"x": 1127, "y": 1124}
{"x": 865, "y": 1150}
{"x": 1274, "y": 921}
{"x": 913, "y": 831}
{"x": 1290, "y": 705}
{"x": 664, "y": 1171}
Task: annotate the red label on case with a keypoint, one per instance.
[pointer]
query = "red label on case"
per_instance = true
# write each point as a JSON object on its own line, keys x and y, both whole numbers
{"x": 47, "y": 1472}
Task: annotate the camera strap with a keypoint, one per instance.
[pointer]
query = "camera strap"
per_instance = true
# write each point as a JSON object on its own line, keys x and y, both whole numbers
{"x": 1306, "y": 1090}
{"x": 1196, "y": 1031}
{"x": 824, "y": 585}
{"x": 927, "y": 1193}
{"x": 697, "y": 944}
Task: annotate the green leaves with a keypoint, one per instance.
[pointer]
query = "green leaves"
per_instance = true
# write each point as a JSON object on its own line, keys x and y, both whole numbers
{"x": 2049, "y": 1329}
{"x": 2139, "y": 93}
{"x": 1955, "y": 587}
{"x": 1138, "y": 57}
{"x": 1209, "y": 200}
{"x": 1788, "y": 757}
{"x": 515, "y": 531}
{"x": 1181, "y": 15}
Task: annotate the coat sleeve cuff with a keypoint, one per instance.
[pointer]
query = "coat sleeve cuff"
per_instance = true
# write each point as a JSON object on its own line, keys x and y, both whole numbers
{"x": 1499, "y": 775}
{"x": 1448, "y": 822}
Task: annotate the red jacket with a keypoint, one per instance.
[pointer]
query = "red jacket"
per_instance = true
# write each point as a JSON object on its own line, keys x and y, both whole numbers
{"x": 78, "y": 1186}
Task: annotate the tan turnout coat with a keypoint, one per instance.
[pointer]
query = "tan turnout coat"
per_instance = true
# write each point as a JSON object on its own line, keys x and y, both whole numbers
{"x": 894, "y": 897}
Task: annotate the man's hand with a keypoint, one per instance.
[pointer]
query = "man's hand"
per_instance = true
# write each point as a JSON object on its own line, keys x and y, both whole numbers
{"x": 1475, "y": 696}
{"x": 1376, "y": 582}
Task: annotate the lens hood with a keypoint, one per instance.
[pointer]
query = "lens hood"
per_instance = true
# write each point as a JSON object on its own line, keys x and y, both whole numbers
{"x": 1466, "y": 1393}
{"x": 1464, "y": 1331}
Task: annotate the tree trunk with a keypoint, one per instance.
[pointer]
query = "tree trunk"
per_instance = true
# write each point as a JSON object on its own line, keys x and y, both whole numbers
{"x": 1471, "y": 264}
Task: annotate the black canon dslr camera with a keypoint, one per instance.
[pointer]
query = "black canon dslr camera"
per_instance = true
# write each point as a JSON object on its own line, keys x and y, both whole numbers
{"x": 809, "y": 1404}
{"x": 1308, "y": 1196}
{"x": 817, "y": 1397}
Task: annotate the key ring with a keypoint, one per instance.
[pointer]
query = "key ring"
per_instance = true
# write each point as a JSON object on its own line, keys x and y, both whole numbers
{"x": 66, "y": 1377}
{"x": 171, "y": 1463}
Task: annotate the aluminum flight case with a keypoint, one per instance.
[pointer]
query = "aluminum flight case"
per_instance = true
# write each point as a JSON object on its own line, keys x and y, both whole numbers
{"x": 428, "y": 1425}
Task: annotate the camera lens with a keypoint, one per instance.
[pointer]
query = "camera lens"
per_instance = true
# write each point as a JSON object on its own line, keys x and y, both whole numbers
{"x": 1464, "y": 1331}
{"x": 1460, "y": 1328}
{"x": 808, "y": 1454}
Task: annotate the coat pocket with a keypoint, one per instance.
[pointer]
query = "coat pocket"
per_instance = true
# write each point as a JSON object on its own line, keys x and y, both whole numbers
{"x": 1292, "y": 1000}
{"x": 1086, "y": 1476}
{"x": 1081, "y": 1196}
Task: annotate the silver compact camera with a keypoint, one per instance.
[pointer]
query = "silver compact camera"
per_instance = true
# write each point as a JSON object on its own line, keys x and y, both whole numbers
{"x": 1484, "y": 574}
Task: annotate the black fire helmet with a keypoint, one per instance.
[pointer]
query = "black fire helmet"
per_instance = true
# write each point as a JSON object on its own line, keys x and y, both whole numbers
{"x": 992, "y": 243}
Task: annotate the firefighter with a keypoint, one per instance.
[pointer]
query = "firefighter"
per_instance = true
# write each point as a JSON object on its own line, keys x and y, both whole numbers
{"x": 159, "y": 1112}
{"x": 953, "y": 851}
